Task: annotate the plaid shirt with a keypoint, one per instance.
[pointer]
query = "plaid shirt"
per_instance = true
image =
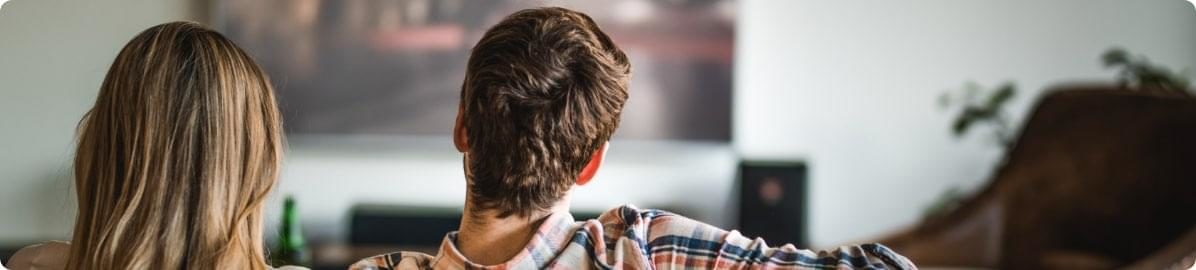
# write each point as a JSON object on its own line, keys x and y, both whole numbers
{"x": 631, "y": 238}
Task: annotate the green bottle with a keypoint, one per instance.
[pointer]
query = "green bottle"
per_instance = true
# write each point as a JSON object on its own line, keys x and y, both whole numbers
{"x": 291, "y": 249}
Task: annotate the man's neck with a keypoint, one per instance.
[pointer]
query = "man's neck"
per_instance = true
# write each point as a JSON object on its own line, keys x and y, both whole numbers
{"x": 486, "y": 239}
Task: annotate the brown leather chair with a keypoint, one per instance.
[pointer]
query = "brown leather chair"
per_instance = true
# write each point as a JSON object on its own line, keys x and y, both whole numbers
{"x": 1101, "y": 177}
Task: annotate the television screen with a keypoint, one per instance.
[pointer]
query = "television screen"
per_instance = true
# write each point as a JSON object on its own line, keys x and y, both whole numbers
{"x": 394, "y": 67}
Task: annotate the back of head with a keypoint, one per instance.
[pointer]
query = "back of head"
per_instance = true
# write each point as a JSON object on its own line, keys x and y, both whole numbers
{"x": 176, "y": 156}
{"x": 543, "y": 90}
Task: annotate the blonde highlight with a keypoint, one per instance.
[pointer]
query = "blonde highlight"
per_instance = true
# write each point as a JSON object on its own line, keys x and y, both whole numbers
{"x": 174, "y": 160}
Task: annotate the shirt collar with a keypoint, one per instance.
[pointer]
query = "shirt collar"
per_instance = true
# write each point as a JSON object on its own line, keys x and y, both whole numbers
{"x": 550, "y": 238}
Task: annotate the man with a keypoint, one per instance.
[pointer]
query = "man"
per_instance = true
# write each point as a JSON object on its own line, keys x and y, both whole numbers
{"x": 542, "y": 95}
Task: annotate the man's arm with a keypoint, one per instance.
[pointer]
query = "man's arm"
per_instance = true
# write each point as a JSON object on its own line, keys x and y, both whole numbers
{"x": 672, "y": 241}
{"x": 737, "y": 251}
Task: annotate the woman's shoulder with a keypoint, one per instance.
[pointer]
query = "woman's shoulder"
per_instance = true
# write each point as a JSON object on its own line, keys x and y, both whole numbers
{"x": 50, "y": 255}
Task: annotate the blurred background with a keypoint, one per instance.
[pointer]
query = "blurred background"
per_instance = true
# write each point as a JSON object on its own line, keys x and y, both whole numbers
{"x": 844, "y": 115}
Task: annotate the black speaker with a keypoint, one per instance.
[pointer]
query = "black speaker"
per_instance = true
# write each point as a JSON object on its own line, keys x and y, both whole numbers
{"x": 772, "y": 201}
{"x": 397, "y": 225}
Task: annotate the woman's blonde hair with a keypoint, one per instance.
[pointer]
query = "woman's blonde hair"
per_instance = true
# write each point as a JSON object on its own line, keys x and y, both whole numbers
{"x": 174, "y": 160}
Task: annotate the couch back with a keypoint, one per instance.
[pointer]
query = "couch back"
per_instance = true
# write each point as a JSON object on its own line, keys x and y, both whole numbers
{"x": 1101, "y": 171}
{"x": 1098, "y": 174}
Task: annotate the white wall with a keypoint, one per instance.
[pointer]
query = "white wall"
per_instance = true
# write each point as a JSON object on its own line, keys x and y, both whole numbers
{"x": 53, "y": 55}
{"x": 852, "y": 86}
{"x": 849, "y": 86}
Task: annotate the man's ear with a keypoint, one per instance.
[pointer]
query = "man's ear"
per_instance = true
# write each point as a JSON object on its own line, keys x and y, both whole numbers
{"x": 591, "y": 169}
{"x": 459, "y": 138}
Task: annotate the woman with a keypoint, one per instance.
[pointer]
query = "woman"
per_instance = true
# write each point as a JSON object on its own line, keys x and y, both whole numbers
{"x": 173, "y": 161}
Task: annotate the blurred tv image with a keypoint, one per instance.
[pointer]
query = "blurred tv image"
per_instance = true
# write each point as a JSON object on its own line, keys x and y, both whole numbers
{"x": 395, "y": 67}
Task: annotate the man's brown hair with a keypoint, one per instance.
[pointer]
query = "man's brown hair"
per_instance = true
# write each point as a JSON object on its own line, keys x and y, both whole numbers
{"x": 543, "y": 91}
